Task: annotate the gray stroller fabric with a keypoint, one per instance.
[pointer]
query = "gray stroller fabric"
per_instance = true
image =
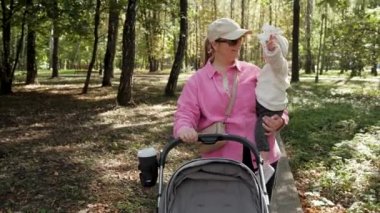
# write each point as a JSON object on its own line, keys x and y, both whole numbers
{"x": 212, "y": 186}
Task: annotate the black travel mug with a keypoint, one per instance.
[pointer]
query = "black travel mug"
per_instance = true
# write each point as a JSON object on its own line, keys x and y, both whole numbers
{"x": 148, "y": 166}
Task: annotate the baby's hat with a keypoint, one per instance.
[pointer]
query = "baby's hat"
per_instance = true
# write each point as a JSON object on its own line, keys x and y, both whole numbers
{"x": 277, "y": 32}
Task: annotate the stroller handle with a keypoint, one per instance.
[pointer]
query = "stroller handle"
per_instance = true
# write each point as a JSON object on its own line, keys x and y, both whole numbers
{"x": 209, "y": 139}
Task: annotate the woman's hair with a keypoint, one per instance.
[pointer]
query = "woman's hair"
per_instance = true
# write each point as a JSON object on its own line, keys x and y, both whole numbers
{"x": 208, "y": 51}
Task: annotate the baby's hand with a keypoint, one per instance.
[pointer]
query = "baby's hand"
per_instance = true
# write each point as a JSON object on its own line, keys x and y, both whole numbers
{"x": 272, "y": 43}
{"x": 269, "y": 31}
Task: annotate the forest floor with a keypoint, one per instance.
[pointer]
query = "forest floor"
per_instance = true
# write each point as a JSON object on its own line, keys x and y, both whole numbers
{"x": 62, "y": 151}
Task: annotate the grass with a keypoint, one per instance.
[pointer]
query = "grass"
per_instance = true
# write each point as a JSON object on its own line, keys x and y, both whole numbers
{"x": 334, "y": 143}
{"x": 61, "y": 151}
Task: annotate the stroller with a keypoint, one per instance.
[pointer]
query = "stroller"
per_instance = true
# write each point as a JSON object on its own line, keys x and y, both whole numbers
{"x": 212, "y": 185}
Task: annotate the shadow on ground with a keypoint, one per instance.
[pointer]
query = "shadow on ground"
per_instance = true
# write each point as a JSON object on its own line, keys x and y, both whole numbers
{"x": 63, "y": 151}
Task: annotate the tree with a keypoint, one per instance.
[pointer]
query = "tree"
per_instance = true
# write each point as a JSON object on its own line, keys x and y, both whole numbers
{"x": 309, "y": 65}
{"x": 322, "y": 54}
{"x": 31, "y": 65}
{"x": 176, "y": 68}
{"x": 374, "y": 47}
{"x": 21, "y": 39}
{"x": 232, "y": 9}
{"x": 113, "y": 25}
{"x": 124, "y": 95}
{"x": 295, "y": 56}
{"x": 150, "y": 20}
{"x": 6, "y": 68}
{"x": 270, "y": 11}
{"x": 242, "y": 50}
{"x": 215, "y": 7}
{"x": 55, "y": 16}
{"x": 95, "y": 47}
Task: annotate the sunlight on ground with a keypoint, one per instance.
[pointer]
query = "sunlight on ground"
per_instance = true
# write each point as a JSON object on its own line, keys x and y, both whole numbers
{"x": 115, "y": 169}
{"x": 140, "y": 116}
{"x": 66, "y": 148}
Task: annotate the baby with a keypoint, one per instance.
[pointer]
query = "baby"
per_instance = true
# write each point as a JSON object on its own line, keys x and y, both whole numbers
{"x": 271, "y": 96}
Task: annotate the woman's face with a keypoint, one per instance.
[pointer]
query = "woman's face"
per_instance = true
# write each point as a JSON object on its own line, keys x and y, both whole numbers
{"x": 227, "y": 50}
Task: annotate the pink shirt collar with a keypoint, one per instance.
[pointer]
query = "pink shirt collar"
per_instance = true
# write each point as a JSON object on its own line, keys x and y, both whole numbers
{"x": 211, "y": 71}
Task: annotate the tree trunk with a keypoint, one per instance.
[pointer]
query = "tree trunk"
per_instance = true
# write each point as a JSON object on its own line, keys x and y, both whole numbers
{"x": 151, "y": 23}
{"x": 21, "y": 60}
{"x": 174, "y": 73}
{"x": 320, "y": 47}
{"x": 270, "y": 12}
{"x": 374, "y": 50}
{"x": 156, "y": 40}
{"x": 295, "y": 55}
{"x": 374, "y": 70}
{"x": 55, "y": 41}
{"x": 55, "y": 73}
{"x": 232, "y": 9}
{"x": 242, "y": 49}
{"x": 215, "y": 6}
{"x": 153, "y": 64}
{"x": 274, "y": 7}
{"x": 197, "y": 51}
{"x": 20, "y": 42}
{"x": 51, "y": 46}
{"x": 113, "y": 25}
{"x": 163, "y": 43}
{"x": 323, "y": 52}
{"x": 6, "y": 70}
{"x": 259, "y": 54}
{"x": 31, "y": 66}
{"x": 124, "y": 95}
{"x": 308, "y": 19}
{"x": 95, "y": 47}
{"x": 77, "y": 55}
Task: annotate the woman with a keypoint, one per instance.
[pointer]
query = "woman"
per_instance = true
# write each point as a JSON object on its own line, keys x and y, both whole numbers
{"x": 206, "y": 95}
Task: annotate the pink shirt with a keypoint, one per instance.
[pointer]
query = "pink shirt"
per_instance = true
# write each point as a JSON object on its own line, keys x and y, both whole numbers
{"x": 204, "y": 99}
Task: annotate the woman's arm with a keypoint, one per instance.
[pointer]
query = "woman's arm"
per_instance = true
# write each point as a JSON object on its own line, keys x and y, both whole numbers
{"x": 187, "y": 115}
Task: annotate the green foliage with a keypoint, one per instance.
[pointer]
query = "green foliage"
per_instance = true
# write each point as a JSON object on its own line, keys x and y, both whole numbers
{"x": 334, "y": 134}
{"x": 341, "y": 182}
{"x": 351, "y": 35}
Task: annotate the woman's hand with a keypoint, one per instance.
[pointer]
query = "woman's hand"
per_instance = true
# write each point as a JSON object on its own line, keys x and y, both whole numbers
{"x": 272, "y": 124}
{"x": 188, "y": 134}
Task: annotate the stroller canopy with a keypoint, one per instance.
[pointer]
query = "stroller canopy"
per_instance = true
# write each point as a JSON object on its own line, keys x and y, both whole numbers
{"x": 212, "y": 186}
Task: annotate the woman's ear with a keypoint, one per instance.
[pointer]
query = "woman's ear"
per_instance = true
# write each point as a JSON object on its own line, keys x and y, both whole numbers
{"x": 213, "y": 45}
{"x": 209, "y": 47}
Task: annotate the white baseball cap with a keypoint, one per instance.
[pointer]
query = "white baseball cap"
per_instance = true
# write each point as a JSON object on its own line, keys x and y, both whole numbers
{"x": 225, "y": 28}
